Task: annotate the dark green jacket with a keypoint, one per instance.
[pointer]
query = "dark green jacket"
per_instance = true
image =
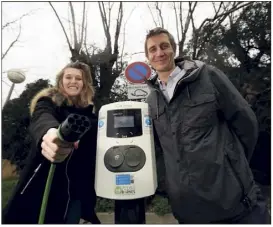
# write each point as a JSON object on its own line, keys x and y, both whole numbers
{"x": 206, "y": 134}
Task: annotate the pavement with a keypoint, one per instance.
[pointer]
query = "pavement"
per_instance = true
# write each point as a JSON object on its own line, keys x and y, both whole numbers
{"x": 151, "y": 218}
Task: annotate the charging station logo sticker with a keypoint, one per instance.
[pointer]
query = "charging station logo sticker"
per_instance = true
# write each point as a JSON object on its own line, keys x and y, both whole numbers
{"x": 100, "y": 123}
{"x": 147, "y": 121}
{"x": 125, "y": 184}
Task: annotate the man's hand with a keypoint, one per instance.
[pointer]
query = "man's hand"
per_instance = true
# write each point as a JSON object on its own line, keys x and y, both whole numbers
{"x": 53, "y": 149}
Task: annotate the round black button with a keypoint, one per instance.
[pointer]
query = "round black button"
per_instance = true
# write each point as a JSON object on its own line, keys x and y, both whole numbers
{"x": 133, "y": 157}
{"x": 115, "y": 158}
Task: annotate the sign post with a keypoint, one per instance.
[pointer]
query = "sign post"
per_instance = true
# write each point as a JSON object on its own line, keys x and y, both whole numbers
{"x": 136, "y": 74}
{"x": 133, "y": 211}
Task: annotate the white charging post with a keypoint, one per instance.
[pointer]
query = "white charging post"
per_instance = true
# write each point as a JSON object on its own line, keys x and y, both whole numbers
{"x": 125, "y": 161}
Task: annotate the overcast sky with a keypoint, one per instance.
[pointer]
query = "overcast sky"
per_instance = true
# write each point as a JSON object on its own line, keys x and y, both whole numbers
{"x": 43, "y": 51}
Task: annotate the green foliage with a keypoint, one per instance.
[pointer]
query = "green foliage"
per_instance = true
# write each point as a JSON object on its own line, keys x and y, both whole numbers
{"x": 160, "y": 206}
{"x": 104, "y": 205}
{"x": 241, "y": 47}
{"x": 7, "y": 188}
{"x": 157, "y": 205}
{"x": 16, "y": 119}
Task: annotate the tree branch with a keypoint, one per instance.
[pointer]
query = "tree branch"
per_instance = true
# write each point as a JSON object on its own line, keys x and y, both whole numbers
{"x": 18, "y": 19}
{"x": 106, "y": 27}
{"x": 109, "y": 14}
{"x": 122, "y": 50}
{"x": 118, "y": 26}
{"x": 176, "y": 22}
{"x": 180, "y": 16}
{"x": 11, "y": 44}
{"x": 220, "y": 6}
{"x": 69, "y": 45}
{"x": 69, "y": 24}
{"x": 213, "y": 4}
{"x": 84, "y": 28}
{"x": 102, "y": 13}
{"x": 159, "y": 14}
{"x": 152, "y": 15}
{"x": 140, "y": 52}
{"x": 74, "y": 26}
{"x": 230, "y": 15}
{"x": 234, "y": 8}
{"x": 186, "y": 26}
{"x": 85, "y": 34}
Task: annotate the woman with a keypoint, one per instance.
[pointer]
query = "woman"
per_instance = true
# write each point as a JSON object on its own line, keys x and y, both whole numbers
{"x": 72, "y": 195}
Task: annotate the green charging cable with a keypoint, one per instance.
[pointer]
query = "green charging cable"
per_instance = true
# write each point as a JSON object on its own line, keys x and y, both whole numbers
{"x": 46, "y": 193}
{"x": 71, "y": 130}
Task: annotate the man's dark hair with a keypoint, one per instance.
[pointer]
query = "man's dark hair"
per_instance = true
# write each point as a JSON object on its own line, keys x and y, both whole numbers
{"x": 158, "y": 31}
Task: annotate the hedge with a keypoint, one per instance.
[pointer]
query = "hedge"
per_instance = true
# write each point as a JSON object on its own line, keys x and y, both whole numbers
{"x": 155, "y": 204}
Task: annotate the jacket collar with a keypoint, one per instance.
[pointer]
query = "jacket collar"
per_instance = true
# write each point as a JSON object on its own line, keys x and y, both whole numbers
{"x": 191, "y": 67}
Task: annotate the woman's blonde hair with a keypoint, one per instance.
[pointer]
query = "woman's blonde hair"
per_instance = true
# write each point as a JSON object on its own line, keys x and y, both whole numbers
{"x": 87, "y": 94}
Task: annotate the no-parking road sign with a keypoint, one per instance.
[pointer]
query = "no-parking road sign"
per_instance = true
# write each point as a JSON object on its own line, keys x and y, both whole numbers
{"x": 137, "y": 72}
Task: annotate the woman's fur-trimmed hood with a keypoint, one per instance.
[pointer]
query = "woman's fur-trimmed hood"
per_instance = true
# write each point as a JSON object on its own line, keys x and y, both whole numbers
{"x": 52, "y": 92}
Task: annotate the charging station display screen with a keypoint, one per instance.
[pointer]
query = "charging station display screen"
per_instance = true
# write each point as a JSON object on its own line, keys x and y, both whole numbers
{"x": 123, "y": 121}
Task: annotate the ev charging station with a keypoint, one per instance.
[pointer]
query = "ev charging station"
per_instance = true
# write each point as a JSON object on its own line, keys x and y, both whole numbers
{"x": 125, "y": 164}
{"x": 125, "y": 160}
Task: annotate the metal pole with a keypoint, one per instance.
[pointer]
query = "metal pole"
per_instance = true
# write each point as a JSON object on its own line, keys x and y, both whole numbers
{"x": 130, "y": 211}
{"x": 10, "y": 92}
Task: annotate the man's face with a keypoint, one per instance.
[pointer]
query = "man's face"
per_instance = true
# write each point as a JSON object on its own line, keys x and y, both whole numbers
{"x": 160, "y": 53}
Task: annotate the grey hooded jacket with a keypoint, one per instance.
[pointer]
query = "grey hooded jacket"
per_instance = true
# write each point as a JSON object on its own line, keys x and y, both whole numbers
{"x": 205, "y": 134}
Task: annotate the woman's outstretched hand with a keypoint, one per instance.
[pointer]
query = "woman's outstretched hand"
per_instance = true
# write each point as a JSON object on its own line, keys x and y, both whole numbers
{"x": 53, "y": 149}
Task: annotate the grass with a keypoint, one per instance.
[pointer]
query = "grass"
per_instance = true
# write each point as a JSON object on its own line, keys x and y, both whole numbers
{"x": 159, "y": 205}
{"x": 7, "y": 189}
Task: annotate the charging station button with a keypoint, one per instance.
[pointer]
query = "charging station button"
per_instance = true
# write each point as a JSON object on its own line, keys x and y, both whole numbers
{"x": 133, "y": 157}
{"x": 127, "y": 158}
{"x": 115, "y": 158}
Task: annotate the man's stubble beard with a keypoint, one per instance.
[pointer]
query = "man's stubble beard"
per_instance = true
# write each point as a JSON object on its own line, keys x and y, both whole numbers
{"x": 168, "y": 68}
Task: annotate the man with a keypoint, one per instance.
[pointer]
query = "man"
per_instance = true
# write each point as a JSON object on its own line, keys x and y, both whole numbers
{"x": 206, "y": 133}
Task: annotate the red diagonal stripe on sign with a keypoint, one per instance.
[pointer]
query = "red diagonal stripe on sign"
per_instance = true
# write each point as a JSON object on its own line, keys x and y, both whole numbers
{"x": 138, "y": 72}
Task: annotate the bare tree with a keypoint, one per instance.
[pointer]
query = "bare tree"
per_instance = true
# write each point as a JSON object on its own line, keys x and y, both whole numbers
{"x": 213, "y": 23}
{"x": 8, "y": 25}
{"x": 183, "y": 23}
{"x": 101, "y": 62}
{"x": 11, "y": 44}
{"x": 182, "y": 28}
{"x": 159, "y": 22}
{"x": 124, "y": 32}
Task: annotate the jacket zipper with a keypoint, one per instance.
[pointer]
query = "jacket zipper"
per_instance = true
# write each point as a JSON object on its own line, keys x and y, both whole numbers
{"x": 68, "y": 184}
{"x": 181, "y": 80}
{"x": 244, "y": 199}
{"x": 29, "y": 181}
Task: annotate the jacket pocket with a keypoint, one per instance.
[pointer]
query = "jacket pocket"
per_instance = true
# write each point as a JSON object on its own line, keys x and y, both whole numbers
{"x": 235, "y": 175}
{"x": 201, "y": 111}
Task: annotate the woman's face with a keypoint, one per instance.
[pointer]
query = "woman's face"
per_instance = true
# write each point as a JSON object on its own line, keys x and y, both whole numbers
{"x": 72, "y": 82}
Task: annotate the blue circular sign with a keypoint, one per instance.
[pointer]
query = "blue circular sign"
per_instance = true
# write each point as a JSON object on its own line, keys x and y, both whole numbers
{"x": 138, "y": 72}
{"x": 148, "y": 121}
{"x": 101, "y": 123}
